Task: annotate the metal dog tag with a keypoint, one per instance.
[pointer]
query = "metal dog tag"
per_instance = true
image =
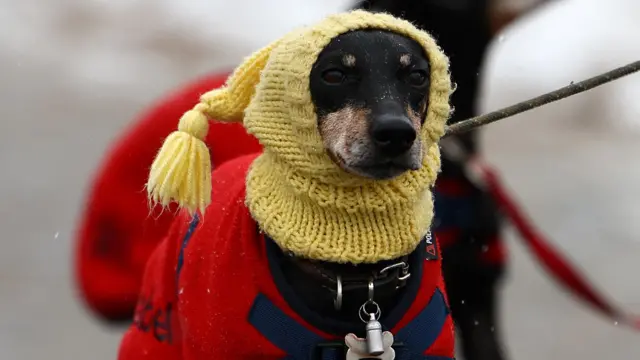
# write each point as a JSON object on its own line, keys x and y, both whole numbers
{"x": 375, "y": 346}
{"x": 374, "y": 339}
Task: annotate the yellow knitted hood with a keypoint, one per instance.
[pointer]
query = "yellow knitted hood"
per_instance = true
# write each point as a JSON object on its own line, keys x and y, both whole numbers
{"x": 296, "y": 193}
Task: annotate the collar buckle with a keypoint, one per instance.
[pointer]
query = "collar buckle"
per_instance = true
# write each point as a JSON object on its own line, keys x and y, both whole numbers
{"x": 403, "y": 274}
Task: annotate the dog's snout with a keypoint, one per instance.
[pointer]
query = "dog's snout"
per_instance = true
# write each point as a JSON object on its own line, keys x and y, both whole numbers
{"x": 393, "y": 135}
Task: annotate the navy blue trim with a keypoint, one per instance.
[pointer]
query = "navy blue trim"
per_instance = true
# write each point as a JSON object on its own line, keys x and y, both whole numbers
{"x": 300, "y": 343}
{"x": 283, "y": 331}
{"x": 331, "y": 354}
{"x": 192, "y": 227}
{"x": 423, "y": 331}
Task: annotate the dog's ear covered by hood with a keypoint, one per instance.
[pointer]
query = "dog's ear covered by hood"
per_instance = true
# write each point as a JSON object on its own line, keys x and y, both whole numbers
{"x": 270, "y": 93}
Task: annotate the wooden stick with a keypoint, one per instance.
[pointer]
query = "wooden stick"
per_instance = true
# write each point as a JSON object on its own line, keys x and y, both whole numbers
{"x": 541, "y": 100}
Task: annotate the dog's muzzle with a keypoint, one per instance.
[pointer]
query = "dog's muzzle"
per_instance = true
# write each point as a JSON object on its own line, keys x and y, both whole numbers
{"x": 393, "y": 135}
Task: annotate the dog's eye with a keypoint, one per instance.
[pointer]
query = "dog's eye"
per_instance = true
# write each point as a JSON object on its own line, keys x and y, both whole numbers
{"x": 417, "y": 77}
{"x": 333, "y": 76}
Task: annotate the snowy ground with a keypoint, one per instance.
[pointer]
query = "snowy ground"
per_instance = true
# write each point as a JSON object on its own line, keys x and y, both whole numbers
{"x": 74, "y": 72}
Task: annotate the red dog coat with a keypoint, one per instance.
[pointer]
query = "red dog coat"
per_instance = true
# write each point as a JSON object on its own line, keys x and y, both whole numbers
{"x": 213, "y": 290}
{"x": 117, "y": 234}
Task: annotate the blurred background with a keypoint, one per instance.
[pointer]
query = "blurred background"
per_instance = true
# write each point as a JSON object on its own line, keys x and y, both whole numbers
{"x": 75, "y": 73}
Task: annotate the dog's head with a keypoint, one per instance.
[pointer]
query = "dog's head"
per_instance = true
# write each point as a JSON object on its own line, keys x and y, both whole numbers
{"x": 354, "y": 86}
{"x": 370, "y": 90}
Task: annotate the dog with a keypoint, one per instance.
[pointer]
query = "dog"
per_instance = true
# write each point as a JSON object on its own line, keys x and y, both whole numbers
{"x": 473, "y": 261}
{"x": 468, "y": 220}
{"x": 241, "y": 283}
{"x": 370, "y": 91}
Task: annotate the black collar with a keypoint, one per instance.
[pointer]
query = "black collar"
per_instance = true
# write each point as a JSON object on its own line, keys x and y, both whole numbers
{"x": 310, "y": 288}
{"x": 348, "y": 283}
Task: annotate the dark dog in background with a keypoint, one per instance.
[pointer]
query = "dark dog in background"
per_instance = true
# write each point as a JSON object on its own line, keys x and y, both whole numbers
{"x": 467, "y": 219}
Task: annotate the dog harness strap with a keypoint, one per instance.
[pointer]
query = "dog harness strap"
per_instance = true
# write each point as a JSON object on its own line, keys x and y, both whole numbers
{"x": 332, "y": 353}
{"x": 552, "y": 258}
{"x": 422, "y": 332}
{"x": 540, "y": 247}
{"x": 185, "y": 241}
{"x": 300, "y": 343}
{"x": 284, "y": 332}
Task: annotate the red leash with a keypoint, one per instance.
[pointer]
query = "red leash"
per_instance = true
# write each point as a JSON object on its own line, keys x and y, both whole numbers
{"x": 552, "y": 260}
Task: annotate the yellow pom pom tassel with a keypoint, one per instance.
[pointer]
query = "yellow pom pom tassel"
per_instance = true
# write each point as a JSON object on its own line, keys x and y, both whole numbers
{"x": 181, "y": 171}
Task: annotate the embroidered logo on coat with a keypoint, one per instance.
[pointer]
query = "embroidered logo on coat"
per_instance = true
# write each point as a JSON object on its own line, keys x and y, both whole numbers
{"x": 431, "y": 248}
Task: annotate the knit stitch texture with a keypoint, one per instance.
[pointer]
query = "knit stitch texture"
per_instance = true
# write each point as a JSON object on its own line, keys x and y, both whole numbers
{"x": 297, "y": 194}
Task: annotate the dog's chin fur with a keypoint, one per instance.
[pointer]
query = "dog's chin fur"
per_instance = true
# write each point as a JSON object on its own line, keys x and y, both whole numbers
{"x": 378, "y": 172}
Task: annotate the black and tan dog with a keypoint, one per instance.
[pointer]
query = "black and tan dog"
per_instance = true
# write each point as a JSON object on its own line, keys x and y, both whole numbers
{"x": 326, "y": 233}
{"x": 464, "y": 33}
{"x": 370, "y": 91}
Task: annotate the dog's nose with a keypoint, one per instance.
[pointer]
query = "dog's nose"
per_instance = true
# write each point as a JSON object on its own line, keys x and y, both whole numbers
{"x": 393, "y": 135}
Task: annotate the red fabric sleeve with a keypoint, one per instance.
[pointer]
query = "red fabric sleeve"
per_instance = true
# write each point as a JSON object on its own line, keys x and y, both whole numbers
{"x": 116, "y": 233}
{"x": 155, "y": 332}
